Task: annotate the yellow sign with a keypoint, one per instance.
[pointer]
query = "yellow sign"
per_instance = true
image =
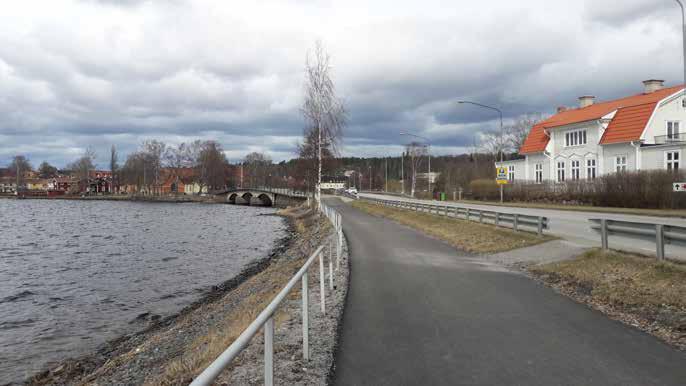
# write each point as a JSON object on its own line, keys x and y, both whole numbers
{"x": 501, "y": 177}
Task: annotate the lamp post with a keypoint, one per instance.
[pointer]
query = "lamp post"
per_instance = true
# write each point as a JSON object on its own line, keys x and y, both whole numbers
{"x": 683, "y": 41}
{"x": 370, "y": 179}
{"x": 402, "y": 172}
{"x": 428, "y": 154}
{"x": 385, "y": 189}
{"x": 502, "y": 132}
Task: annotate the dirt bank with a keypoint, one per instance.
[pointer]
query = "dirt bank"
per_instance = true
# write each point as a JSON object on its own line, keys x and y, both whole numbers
{"x": 172, "y": 351}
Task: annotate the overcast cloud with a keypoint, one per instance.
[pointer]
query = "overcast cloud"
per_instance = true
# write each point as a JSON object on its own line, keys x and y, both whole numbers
{"x": 85, "y": 73}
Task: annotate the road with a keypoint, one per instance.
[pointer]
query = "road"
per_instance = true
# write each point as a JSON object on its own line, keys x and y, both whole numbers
{"x": 575, "y": 227}
{"x": 420, "y": 312}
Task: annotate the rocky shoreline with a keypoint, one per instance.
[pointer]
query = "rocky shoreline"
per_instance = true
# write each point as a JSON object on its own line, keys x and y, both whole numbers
{"x": 159, "y": 354}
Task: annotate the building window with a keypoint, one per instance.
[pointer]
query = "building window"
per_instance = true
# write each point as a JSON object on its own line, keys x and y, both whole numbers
{"x": 620, "y": 163}
{"x": 539, "y": 173}
{"x": 673, "y": 129}
{"x": 590, "y": 169}
{"x": 511, "y": 172}
{"x": 576, "y": 167}
{"x": 560, "y": 172}
{"x": 575, "y": 138}
{"x": 672, "y": 159}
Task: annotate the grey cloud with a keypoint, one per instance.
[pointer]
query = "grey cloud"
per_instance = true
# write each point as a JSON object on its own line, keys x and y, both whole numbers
{"x": 117, "y": 72}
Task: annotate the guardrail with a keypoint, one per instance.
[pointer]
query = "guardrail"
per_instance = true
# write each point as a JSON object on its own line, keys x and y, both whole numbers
{"x": 498, "y": 218}
{"x": 659, "y": 233}
{"x": 284, "y": 191}
{"x": 265, "y": 319}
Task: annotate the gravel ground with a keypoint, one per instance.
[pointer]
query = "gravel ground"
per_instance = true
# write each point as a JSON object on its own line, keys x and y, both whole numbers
{"x": 289, "y": 366}
{"x": 170, "y": 351}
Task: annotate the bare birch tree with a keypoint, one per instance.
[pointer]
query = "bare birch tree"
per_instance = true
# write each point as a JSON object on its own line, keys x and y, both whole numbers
{"x": 415, "y": 151}
{"x": 322, "y": 109}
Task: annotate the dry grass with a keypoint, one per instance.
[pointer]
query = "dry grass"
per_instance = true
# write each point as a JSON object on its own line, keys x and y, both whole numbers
{"x": 466, "y": 235}
{"x": 623, "y": 280}
{"x": 254, "y": 297}
{"x": 679, "y": 213}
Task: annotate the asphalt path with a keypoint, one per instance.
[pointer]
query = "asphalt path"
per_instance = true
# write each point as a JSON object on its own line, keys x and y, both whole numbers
{"x": 420, "y": 312}
{"x": 575, "y": 227}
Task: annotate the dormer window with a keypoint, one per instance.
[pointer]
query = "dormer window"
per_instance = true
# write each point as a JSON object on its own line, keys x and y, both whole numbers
{"x": 575, "y": 138}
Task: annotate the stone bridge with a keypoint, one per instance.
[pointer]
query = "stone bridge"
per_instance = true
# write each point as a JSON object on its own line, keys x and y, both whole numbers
{"x": 263, "y": 197}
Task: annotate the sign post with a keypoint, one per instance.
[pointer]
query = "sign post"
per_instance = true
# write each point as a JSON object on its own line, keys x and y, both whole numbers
{"x": 501, "y": 179}
{"x": 680, "y": 187}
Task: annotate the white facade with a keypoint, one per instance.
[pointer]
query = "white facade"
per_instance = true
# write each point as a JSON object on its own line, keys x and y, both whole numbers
{"x": 574, "y": 151}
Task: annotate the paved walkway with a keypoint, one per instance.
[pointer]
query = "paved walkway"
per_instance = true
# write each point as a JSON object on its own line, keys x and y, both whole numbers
{"x": 420, "y": 312}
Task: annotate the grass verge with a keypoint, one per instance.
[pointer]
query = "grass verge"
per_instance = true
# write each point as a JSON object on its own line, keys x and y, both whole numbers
{"x": 679, "y": 213}
{"x": 639, "y": 291}
{"x": 466, "y": 235}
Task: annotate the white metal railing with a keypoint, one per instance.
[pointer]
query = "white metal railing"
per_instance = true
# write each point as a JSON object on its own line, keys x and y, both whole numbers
{"x": 266, "y": 318}
{"x": 661, "y": 234}
{"x": 498, "y": 218}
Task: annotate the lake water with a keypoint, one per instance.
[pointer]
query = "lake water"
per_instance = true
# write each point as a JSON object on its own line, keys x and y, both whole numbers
{"x": 74, "y": 274}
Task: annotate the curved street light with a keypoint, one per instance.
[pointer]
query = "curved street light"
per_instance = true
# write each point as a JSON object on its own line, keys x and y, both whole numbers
{"x": 683, "y": 40}
{"x": 502, "y": 132}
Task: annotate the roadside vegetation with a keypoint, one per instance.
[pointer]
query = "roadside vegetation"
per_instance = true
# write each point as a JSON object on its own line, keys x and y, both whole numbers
{"x": 640, "y": 291}
{"x": 680, "y": 213}
{"x": 466, "y": 235}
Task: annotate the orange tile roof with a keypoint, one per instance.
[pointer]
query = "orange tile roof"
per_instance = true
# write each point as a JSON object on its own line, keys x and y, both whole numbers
{"x": 628, "y": 124}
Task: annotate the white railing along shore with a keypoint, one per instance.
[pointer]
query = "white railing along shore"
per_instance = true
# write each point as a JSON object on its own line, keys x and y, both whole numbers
{"x": 265, "y": 320}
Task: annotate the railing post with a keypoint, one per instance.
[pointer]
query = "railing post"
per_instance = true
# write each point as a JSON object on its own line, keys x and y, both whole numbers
{"x": 481, "y": 216}
{"x": 497, "y": 218}
{"x": 660, "y": 241}
{"x": 467, "y": 215}
{"x": 322, "y": 285}
{"x": 446, "y": 211}
{"x": 604, "y": 234}
{"x": 306, "y": 317}
{"x": 540, "y": 226}
{"x": 269, "y": 352}
{"x": 331, "y": 265}
{"x": 516, "y": 222}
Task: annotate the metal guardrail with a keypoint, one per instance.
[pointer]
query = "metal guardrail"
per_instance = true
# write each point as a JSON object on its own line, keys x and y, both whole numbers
{"x": 661, "y": 234}
{"x": 266, "y": 318}
{"x": 498, "y": 218}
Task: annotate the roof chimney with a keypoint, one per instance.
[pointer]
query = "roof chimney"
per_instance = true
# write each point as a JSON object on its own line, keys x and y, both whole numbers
{"x": 561, "y": 109}
{"x": 586, "y": 100}
{"x": 652, "y": 85}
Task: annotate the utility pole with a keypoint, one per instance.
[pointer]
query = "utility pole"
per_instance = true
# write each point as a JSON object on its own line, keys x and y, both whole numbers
{"x": 370, "y": 179}
{"x": 386, "y": 186}
{"x": 402, "y": 172}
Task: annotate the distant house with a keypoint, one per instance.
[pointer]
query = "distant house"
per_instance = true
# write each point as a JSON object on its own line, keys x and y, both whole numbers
{"x": 640, "y": 132}
{"x": 333, "y": 183}
{"x": 8, "y": 185}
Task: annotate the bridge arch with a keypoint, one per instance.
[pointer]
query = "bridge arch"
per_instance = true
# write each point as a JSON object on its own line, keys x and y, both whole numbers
{"x": 265, "y": 199}
{"x": 247, "y": 197}
{"x": 232, "y": 198}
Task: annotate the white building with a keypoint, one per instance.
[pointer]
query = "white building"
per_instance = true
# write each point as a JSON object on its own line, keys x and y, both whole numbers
{"x": 639, "y": 132}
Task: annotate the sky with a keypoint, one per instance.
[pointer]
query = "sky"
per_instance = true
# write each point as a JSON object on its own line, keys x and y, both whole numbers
{"x": 93, "y": 73}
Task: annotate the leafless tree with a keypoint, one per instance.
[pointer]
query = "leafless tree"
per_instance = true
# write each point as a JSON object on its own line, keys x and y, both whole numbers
{"x": 211, "y": 165}
{"x": 82, "y": 166}
{"x": 519, "y": 130}
{"x": 153, "y": 151}
{"x": 323, "y": 110}
{"x": 46, "y": 170}
{"x": 415, "y": 152}
{"x": 256, "y": 167}
{"x": 114, "y": 167}
{"x": 20, "y": 166}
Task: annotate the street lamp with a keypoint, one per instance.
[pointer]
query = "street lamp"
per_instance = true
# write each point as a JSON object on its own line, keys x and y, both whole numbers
{"x": 428, "y": 154}
{"x": 502, "y": 132}
{"x": 683, "y": 40}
